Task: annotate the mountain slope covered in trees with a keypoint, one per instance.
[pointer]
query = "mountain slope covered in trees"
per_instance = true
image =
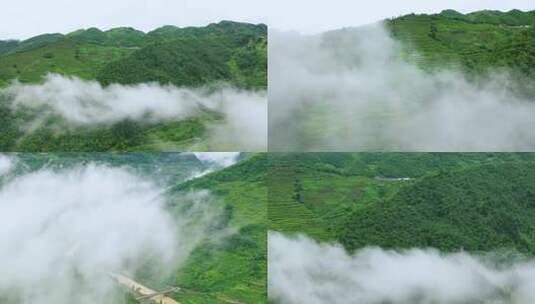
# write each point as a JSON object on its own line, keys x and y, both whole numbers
{"x": 477, "y": 43}
{"x": 235, "y": 270}
{"x": 226, "y": 52}
{"x": 449, "y": 201}
{"x": 168, "y": 54}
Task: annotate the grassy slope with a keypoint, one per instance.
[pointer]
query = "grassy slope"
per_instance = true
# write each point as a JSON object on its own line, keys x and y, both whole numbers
{"x": 475, "y": 43}
{"x": 236, "y": 270}
{"x": 228, "y": 51}
{"x": 338, "y": 190}
{"x": 193, "y": 56}
{"x": 63, "y": 57}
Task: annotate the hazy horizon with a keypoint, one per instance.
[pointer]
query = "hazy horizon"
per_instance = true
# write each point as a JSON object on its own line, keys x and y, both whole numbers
{"x": 62, "y": 16}
{"x": 325, "y": 16}
{"x": 146, "y": 31}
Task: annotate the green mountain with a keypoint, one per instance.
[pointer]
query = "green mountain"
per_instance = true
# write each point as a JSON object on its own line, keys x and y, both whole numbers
{"x": 483, "y": 208}
{"x": 234, "y": 271}
{"x": 512, "y": 18}
{"x": 476, "y": 43}
{"x": 228, "y": 269}
{"x": 238, "y": 52}
{"x": 449, "y": 201}
{"x": 227, "y": 51}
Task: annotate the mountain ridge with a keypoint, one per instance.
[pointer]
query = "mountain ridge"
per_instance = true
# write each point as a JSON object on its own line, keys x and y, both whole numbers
{"x": 122, "y": 29}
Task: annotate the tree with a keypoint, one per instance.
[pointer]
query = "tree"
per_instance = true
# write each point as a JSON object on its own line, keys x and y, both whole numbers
{"x": 433, "y": 31}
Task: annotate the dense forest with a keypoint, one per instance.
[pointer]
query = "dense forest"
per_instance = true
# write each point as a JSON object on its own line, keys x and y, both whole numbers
{"x": 226, "y": 52}
{"x": 450, "y": 201}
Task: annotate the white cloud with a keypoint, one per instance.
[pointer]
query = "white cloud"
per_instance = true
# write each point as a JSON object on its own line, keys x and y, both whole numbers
{"x": 351, "y": 91}
{"x": 6, "y": 164}
{"x": 63, "y": 232}
{"x": 222, "y": 159}
{"x": 303, "y": 271}
{"x": 81, "y": 102}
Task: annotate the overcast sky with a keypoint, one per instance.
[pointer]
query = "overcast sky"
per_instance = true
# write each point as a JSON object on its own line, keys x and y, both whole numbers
{"x": 26, "y": 18}
{"x": 307, "y": 16}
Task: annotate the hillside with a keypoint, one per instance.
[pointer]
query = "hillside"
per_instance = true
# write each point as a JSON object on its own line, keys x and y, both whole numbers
{"x": 412, "y": 83}
{"x": 105, "y": 55}
{"x": 449, "y": 201}
{"x": 476, "y": 43}
{"x": 234, "y": 271}
{"x": 484, "y": 208}
{"x": 226, "y": 52}
{"x": 229, "y": 266}
{"x": 125, "y": 135}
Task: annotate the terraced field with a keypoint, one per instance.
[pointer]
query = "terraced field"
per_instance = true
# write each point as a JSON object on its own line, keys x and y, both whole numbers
{"x": 306, "y": 198}
{"x": 285, "y": 212}
{"x": 320, "y": 194}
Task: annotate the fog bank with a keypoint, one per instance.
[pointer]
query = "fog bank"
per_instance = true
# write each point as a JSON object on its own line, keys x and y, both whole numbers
{"x": 64, "y": 231}
{"x": 85, "y": 103}
{"x": 6, "y": 164}
{"x": 350, "y": 90}
{"x": 221, "y": 159}
{"x": 304, "y": 271}
{"x": 214, "y": 161}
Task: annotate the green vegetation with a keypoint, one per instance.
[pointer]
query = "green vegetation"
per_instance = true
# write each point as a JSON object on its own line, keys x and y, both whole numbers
{"x": 227, "y": 51}
{"x": 483, "y": 208}
{"x": 162, "y": 167}
{"x": 235, "y": 270}
{"x": 449, "y": 201}
{"x": 181, "y": 56}
{"x": 230, "y": 52}
{"x": 476, "y": 43}
{"x": 125, "y": 135}
{"x": 231, "y": 268}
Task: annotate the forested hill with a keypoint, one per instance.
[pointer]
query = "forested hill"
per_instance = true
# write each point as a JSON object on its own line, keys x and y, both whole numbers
{"x": 449, "y": 201}
{"x": 474, "y": 42}
{"x": 483, "y": 208}
{"x": 235, "y": 270}
{"x": 511, "y": 18}
{"x": 230, "y": 51}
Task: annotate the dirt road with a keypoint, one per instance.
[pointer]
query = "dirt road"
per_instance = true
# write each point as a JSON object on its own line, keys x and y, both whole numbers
{"x": 142, "y": 290}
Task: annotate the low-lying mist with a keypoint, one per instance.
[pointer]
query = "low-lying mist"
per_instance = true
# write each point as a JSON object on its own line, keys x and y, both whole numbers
{"x": 86, "y": 103}
{"x": 351, "y": 90}
{"x": 303, "y": 271}
{"x": 6, "y": 164}
{"x": 214, "y": 161}
{"x": 218, "y": 159}
{"x": 64, "y": 231}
